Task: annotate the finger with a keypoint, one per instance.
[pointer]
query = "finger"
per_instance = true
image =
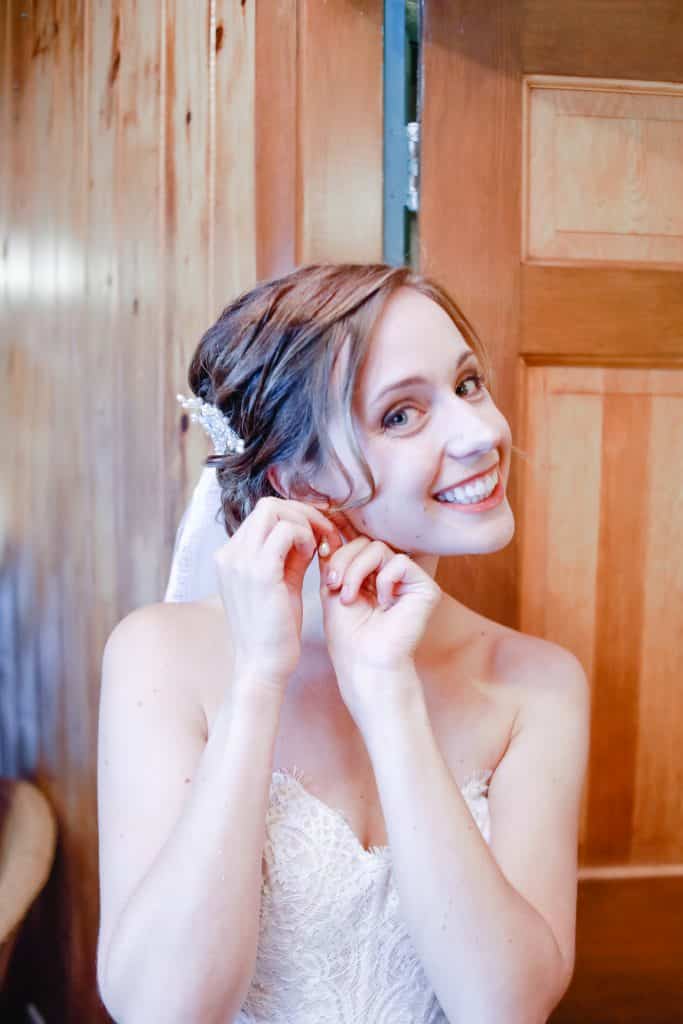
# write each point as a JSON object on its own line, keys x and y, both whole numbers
{"x": 345, "y": 526}
{"x": 366, "y": 562}
{"x": 336, "y": 567}
{"x": 323, "y": 526}
{"x": 278, "y": 545}
{"x": 395, "y": 572}
{"x": 270, "y": 510}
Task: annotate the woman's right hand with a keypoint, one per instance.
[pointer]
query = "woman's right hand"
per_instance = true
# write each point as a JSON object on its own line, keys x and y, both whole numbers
{"x": 260, "y": 576}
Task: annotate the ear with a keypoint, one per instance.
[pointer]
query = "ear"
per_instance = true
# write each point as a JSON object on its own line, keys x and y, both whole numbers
{"x": 292, "y": 485}
{"x": 278, "y": 478}
{"x": 287, "y": 483}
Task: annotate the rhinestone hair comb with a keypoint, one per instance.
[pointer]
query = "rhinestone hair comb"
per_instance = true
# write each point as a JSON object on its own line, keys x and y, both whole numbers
{"x": 214, "y": 423}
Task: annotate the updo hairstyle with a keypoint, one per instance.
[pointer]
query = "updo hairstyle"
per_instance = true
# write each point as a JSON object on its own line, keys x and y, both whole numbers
{"x": 267, "y": 363}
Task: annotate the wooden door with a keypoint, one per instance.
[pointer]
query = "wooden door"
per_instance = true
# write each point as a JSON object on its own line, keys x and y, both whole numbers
{"x": 552, "y": 206}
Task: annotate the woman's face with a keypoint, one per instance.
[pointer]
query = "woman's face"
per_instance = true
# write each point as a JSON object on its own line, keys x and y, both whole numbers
{"x": 422, "y": 438}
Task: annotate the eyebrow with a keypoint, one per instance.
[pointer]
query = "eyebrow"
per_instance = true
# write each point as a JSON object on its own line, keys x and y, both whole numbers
{"x": 407, "y": 381}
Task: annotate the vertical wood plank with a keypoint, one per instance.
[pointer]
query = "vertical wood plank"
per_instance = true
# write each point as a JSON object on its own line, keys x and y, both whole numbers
{"x": 658, "y": 798}
{"x": 102, "y": 406}
{"x": 188, "y": 169}
{"x": 139, "y": 507}
{"x": 275, "y": 124}
{"x": 237, "y": 172}
{"x": 18, "y": 559}
{"x": 339, "y": 186}
{"x": 7, "y": 589}
{"x": 470, "y": 222}
{"x": 5, "y": 89}
{"x": 558, "y": 553}
{"x": 618, "y": 629}
{"x": 70, "y": 467}
{"x": 52, "y": 656}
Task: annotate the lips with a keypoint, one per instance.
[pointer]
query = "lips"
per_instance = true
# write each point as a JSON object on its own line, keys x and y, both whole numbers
{"x": 468, "y": 480}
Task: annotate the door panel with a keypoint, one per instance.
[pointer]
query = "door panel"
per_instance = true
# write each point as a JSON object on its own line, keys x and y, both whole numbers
{"x": 552, "y": 208}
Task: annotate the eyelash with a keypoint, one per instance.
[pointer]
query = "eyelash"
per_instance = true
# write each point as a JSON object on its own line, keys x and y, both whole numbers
{"x": 479, "y": 379}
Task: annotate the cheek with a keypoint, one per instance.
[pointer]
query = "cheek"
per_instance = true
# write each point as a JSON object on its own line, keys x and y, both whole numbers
{"x": 505, "y": 432}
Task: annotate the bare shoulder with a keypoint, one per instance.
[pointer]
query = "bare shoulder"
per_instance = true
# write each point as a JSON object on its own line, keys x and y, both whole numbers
{"x": 178, "y": 646}
{"x": 537, "y": 663}
{"x": 544, "y": 674}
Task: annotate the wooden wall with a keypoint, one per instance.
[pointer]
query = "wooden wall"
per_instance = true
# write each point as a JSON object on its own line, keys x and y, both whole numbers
{"x": 157, "y": 158}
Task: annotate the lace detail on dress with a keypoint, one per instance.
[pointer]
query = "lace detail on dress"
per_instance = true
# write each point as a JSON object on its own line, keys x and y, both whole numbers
{"x": 333, "y": 947}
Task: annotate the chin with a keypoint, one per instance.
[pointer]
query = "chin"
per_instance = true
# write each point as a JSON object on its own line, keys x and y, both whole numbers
{"x": 496, "y": 537}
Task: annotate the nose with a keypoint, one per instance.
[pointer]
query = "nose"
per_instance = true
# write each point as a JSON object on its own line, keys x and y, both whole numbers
{"x": 471, "y": 434}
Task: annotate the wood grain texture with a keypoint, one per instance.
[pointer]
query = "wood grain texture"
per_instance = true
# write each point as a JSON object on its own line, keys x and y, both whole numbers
{"x": 602, "y": 163}
{"x": 318, "y": 123}
{"x": 610, "y": 314}
{"x": 629, "y": 953}
{"x": 609, "y": 38}
{"x": 339, "y": 171}
{"x": 621, "y": 571}
{"x": 127, "y": 221}
{"x": 276, "y": 143}
{"x": 187, "y": 236}
{"x": 237, "y": 186}
{"x": 602, "y": 575}
{"x": 47, "y": 553}
{"x": 470, "y": 222}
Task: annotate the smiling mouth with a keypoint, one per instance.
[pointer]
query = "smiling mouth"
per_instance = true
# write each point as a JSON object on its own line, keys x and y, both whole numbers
{"x": 473, "y": 493}
{"x": 472, "y": 480}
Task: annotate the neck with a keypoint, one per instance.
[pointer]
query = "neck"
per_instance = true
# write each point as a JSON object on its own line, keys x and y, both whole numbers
{"x": 430, "y": 563}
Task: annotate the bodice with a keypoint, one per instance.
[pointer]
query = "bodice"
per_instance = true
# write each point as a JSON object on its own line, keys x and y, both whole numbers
{"x": 333, "y": 947}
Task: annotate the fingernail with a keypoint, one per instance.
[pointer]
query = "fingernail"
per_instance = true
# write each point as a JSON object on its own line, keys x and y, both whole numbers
{"x": 332, "y": 577}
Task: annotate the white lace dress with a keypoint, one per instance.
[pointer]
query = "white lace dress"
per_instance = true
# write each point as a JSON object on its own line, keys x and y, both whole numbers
{"x": 333, "y": 948}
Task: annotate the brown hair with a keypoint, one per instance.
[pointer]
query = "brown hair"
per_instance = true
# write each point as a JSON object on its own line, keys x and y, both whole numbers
{"x": 267, "y": 363}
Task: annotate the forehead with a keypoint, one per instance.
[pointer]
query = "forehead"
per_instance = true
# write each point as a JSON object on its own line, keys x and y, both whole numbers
{"x": 413, "y": 335}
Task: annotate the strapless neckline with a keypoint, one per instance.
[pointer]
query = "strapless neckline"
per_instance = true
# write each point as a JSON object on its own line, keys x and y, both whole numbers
{"x": 474, "y": 786}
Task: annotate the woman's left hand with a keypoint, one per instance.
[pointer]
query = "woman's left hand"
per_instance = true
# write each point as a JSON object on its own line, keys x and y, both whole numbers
{"x": 375, "y": 613}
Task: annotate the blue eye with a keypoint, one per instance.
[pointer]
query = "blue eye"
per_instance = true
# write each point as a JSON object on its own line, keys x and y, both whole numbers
{"x": 480, "y": 384}
{"x": 479, "y": 380}
{"x": 386, "y": 423}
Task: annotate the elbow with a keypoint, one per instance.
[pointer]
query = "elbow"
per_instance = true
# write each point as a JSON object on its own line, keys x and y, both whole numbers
{"x": 122, "y": 1005}
{"x": 561, "y": 980}
{"x": 543, "y": 984}
{"x": 546, "y": 988}
{"x": 165, "y": 999}
{"x": 104, "y": 989}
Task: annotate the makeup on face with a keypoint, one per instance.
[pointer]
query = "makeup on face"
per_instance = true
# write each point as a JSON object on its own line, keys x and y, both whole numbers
{"x": 428, "y": 425}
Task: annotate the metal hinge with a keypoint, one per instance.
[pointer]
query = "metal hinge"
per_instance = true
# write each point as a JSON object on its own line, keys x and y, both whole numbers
{"x": 413, "y": 190}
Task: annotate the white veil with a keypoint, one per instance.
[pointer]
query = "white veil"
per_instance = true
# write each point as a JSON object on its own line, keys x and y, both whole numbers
{"x": 201, "y": 531}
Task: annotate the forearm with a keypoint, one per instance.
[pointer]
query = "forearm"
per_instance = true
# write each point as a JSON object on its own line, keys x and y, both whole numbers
{"x": 487, "y": 952}
{"x": 185, "y": 946}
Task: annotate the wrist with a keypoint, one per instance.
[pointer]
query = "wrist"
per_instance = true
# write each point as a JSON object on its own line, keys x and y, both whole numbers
{"x": 391, "y": 681}
{"x": 253, "y": 691}
{"x": 383, "y": 693}
{"x": 395, "y": 723}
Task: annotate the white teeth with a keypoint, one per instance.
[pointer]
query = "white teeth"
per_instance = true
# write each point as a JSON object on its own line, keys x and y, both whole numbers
{"x": 471, "y": 493}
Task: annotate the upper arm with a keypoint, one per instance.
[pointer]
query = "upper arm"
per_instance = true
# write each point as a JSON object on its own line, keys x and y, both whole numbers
{"x": 151, "y": 735}
{"x": 536, "y": 790}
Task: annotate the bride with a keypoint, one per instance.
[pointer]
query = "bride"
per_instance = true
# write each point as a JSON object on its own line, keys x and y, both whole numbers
{"x": 328, "y": 791}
